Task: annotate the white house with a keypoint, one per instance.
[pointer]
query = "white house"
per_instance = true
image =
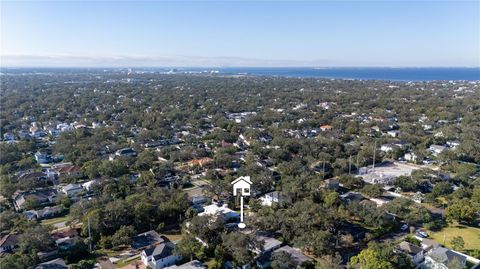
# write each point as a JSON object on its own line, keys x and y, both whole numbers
{"x": 242, "y": 185}
{"x": 72, "y": 189}
{"x": 160, "y": 256}
{"x": 414, "y": 252}
{"x": 453, "y": 144}
{"x": 270, "y": 198}
{"x": 387, "y": 147}
{"x": 393, "y": 133}
{"x": 411, "y": 157}
{"x": 436, "y": 149}
{"x": 90, "y": 184}
{"x": 223, "y": 211}
{"x": 440, "y": 258}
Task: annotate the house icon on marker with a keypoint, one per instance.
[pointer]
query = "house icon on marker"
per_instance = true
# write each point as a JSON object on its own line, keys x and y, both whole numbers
{"x": 241, "y": 185}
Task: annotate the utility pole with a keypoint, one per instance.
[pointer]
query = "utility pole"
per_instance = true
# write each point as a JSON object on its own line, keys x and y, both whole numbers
{"x": 358, "y": 170}
{"x": 350, "y": 164}
{"x": 323, "y": 169}
{"x": 89, "y": 237}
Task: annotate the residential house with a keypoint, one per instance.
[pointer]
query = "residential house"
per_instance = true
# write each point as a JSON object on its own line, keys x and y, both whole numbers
{"x": 379, "y": 201}
{"x": 64, "y": 170}
{"x": 414, "y": 252}
{"x": 427, "y": 244}
{"x": 63, "y": 127}
{"x": 198, "y": 200}
{"x": 42, "y": 158}
{"x": 393, "y": 133}
{"x": 34, "y": 176}
{"x": 66, "y": 238}
{"x": 269, "y": 243}
{"x": 411, "y": 157}
{"x": 388, "y": 147}
{"x": 351, "y": 196}
{"x": 72, "y": 190}
{"x": 36, "y": 197}
{"x": 264, "y": 255}
{"x": 202, "y": 162}
{"x": 8, "y": 243}
{"x": 437, "y": 149}
{"x": 129, "y": 152}
{"x": 53, "y": 264}
{"x": 441, "y": 258}
{"x": 264, "y": 261}
{"x": 326, "y": 127}
{"x": 89, "y": 185}
{"x": 147, "y": 239}
{"x": 23, "y": 134}
{"x": 8, "y": 137}
{"x": 453, "y": 144}
{"x": 271, "y": 198}
{"x": 331, "y": 184}
{"x": 220, "y": 211}
{"x": 44, "y": 213}
{"x": 160, "y": 256}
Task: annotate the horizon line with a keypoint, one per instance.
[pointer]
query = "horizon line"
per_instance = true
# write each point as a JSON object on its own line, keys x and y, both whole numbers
{"x": 238, "y": 66}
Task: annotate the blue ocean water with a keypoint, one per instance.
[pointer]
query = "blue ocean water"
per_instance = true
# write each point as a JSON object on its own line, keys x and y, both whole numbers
{"x": 364, "y": 73}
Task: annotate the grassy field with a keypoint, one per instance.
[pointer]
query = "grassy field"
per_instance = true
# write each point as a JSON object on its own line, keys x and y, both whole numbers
{"x": 55, "y": 220}
{"x": 471, "y": 235}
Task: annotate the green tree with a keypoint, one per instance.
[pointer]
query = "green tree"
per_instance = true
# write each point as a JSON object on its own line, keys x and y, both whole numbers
{"x": 91, "y": 169}
{"x": 370, "y": 259}
{"x": 441, "y": 189}
{"x": 85, "y": 264}
{"x": 405, "y": 183}
{"x": 329, "y": 262}
{"x": 283, "y": 260}
{"x": 372, "y": 191}
{"x": 461, "y": 210}
{"x": 123, "y": 236}
{"x": 457, "y": 243}
{"x": 190, "y": 247}
{"x": 18, "y": 261}
{"x": 239, "y": 246}
{"x": 36, "y": 238}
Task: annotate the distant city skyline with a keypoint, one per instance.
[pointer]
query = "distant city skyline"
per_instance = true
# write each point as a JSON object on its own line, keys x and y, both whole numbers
{"x": 249, "y": 34}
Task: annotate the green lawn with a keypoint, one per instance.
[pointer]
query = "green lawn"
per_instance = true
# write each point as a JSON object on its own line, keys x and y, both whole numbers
{"x": 471, "y": 235}
{"x": 55, "y": 220}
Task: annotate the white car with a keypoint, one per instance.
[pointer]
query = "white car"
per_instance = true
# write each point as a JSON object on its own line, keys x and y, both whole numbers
{"x": 422, "y": 234}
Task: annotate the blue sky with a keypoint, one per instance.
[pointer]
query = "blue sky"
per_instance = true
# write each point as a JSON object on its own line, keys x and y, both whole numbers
{"x": 247, "y": 33}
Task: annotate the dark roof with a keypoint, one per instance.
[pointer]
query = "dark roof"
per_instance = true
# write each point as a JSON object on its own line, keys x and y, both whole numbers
{"x": 147, "y": 239}
{"x": 53, "y": 264}
{"x": 9, "y": 240}
{"x": 297, "y": 255}
{"x": 409, "y": 248}
{"x": 160, "y": 251}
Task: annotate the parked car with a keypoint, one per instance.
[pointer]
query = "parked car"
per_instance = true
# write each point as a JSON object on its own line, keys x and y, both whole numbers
{"x": 422, "y": 234}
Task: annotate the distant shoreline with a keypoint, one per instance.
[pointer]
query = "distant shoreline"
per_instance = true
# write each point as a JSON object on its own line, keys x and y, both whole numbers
{"x": 414, "y": 74}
